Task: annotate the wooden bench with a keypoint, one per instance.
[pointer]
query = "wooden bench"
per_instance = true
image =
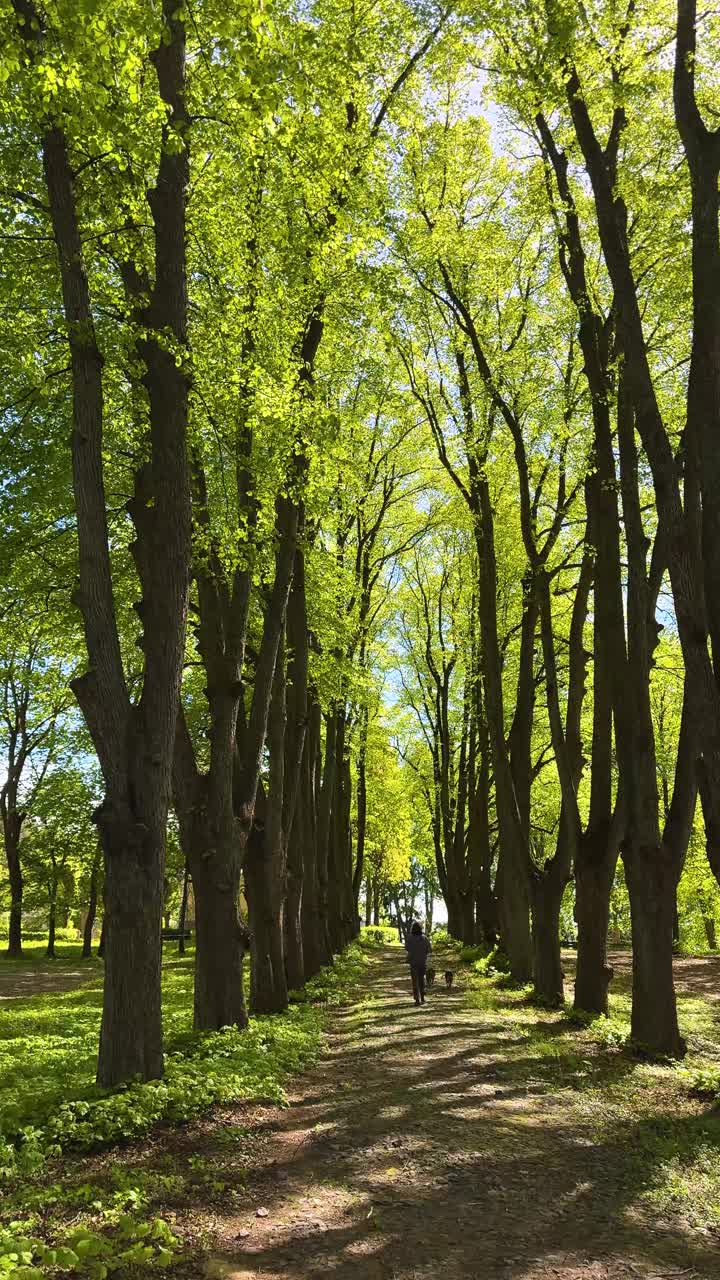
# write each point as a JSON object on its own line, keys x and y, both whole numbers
{"x": 174, "y": 935}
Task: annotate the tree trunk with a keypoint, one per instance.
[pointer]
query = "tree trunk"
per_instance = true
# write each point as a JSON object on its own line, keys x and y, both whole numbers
{"x": 292, "y": 917}
{"x": 268, "y": 983}
{"x": 15, "y": 876}
{"x": 131, "y": 1032}
{"x": 314, "y": 943}
{"x": 134, "y": 742}
{"x": 91, "y": 911}
{"x": 264, "y": 868}
{"x": 467, "y": 917}
{"x": 220, "y": 942}
{"x": 454, "y": 915}
{"x": 710, "y": 932}
{"x": 263, "y": 877}
{"x": 594, "y": 875}
{"x": 651, "y": 876}
{"x": 52, "y": 924}
{"x": 296, "y": 732}
{"x": 513, "y": 899}
{"x": 316, "y": 946}
{"x": 547, "y": 893}
{"x": 429, "y": 905}
{"x": 326, "y": 880}
{"x": 376, "y": 903}
{"x": 359, "y": 871}
{"x": 183, "y": 911}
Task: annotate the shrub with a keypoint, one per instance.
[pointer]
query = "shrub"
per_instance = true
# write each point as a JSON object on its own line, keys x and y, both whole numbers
{"x": 57, "y": 1106}
{"x": 441, "y": 938}
{"x": 377, "y": 935}
{"x": 80, "y": 1251}
{"x": 704, "y": 1083}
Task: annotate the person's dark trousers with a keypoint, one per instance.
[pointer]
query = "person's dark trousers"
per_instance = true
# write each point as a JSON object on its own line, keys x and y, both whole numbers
{"x": 418, "y": 983}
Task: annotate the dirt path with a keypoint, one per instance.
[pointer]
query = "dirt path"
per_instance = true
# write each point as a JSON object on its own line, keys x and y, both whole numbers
{"x": 19, "y": 984}
{"x": 410, "y": 1154}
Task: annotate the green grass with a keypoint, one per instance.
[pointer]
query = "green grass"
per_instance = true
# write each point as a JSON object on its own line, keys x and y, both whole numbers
{"x": 50, "y": 1104}
{"x": 651, "y": 1119}
{"x": 34, "y": 957}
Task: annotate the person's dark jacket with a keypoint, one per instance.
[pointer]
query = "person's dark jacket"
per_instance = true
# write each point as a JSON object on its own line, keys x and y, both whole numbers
{"x": 418, "y": 948}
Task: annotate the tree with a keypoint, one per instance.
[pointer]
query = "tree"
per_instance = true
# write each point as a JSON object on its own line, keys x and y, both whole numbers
{"x": 33, "y": 708}
{"x": 59, "y": 843}
{"x": 133, "y": 735}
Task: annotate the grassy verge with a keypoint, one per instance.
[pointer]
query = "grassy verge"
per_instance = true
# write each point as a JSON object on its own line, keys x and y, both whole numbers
{"x": 651, "y": 1120}
{"x": 62, "y": 1215}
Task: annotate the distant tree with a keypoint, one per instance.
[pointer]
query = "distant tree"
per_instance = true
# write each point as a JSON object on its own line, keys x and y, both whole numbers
{"x": 34, "y": 706}
{"x": 60, "y": 844}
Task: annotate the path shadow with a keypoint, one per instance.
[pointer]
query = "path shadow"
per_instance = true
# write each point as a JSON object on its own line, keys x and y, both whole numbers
{"x": 421, "y": 1149}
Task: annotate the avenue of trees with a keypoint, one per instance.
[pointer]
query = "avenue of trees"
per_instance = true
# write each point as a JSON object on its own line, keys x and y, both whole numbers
{"x": 360, "y": 478}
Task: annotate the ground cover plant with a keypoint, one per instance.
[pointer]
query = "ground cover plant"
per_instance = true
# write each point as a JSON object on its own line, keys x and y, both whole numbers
{"x": 52, "y": 1110}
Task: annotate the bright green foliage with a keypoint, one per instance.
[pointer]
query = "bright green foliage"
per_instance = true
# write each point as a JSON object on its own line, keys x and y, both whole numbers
{"x": 389, "y": 821}
{"x": 55, "y": 1107}
{"x": 47, "y": 1051}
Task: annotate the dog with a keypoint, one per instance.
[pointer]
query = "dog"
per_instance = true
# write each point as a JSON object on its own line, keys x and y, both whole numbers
{"x": 430, "y": 977}
{"x": 449, "y": 975}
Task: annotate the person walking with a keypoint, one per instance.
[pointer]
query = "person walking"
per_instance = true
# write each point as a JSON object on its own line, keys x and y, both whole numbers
{"x": 418, "y": 948}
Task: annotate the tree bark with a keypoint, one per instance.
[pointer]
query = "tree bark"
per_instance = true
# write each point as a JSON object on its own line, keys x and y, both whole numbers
{"x": 264, "y": 869}
{"x": 92, "y": 909}
{"x": 50, "y": 953}
{"x": 359, "y": 871}
{"x": 651, "y": 877}
{"x": 221, "y": 940}
{"x": 133, "y": 957}
{"x": 546, "y": 897}
{"x": 12, "y": 824}
{"x": 316, "y": 945}
{"x": 182, "y": 916}
{"x": 594, "y": 876}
